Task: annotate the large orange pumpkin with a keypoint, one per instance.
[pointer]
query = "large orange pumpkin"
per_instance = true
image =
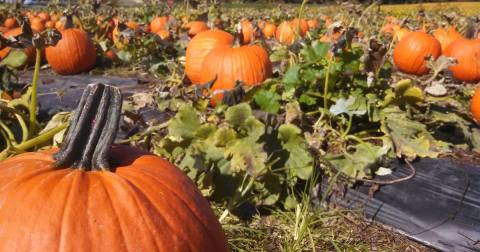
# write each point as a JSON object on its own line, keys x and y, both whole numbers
{"x": 446, "y": 36}
{"x": 199, "y": 47}
{"x": 74, "y": 53}
{"x": 195, "y": 27}
{"x": 30, "y": 51}
{"x": 158, "y": 23}
{"x": 90, "y": 196}
{"x": 467, "y": 54}
{"x": 410, "y": 52}
{"x": 227, "y": 64}
{"x": 475, "y": 106}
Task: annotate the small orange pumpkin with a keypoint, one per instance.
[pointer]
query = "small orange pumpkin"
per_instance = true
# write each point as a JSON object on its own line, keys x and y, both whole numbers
{"x": 446, "y": 36}
{"x": 74, "y": 53}
{"x": 163, "y": 34}
{"x": 228, "y": 64}
{"x": 10, "y": 23}
{"x": 467, "y": 54}
{"x": 475, "y": 106}
{"x": 247, "y": 31}
{"x": 312, "y": 24}
{"x": 410, "y": 52}
{"x": 37, "y": 24}
{"x": 195, "y": 27}
{"x": 300, "y": 24}
{"x": 158, "y": 23}
{"x": 269, "y": 30}
{"x": 198, "y": 49}
{"x": 285, "y": 33}
{"x": 44, "y": 16}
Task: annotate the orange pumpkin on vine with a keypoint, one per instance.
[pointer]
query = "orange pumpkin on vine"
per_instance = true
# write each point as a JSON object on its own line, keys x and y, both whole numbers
{"x": 198, "y": 49}
{"x": 411, "y": 52}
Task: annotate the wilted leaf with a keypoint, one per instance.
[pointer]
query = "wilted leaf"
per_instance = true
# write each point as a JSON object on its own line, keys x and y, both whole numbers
{"x": 354, "y": 105}
{"x": 246, "y": 155}
{"x": 15, "y": 59}
{"x": 238, "y": 114}
{"x": 411, "y": 138}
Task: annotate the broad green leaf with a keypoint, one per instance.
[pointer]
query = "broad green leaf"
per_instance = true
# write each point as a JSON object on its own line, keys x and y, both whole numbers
{"x": 246, "y": 155}
{"x": 292, "y": 77}
{"x": 358, "y": 164}
{"x": 184, "y": 124}
{"x": 300, "y": 161}
{"x": 268, "y": 100}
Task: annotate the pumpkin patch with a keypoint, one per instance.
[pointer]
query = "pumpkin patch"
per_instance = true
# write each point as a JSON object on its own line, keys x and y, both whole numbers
{"x": 239, "y": 126}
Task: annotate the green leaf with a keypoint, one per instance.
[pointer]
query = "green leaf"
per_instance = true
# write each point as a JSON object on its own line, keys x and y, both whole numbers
{"x": 316, "y": 52}
{"x": 15, "y": 59}
{"x": 253, "y": 128}
{"x": 292, "y": 77}
{"x": 246, "y": 155}
{"x": 124, "y": 56}
{"x": 307, "y": 99}
{"x": 357, "y": 164}
{"x": 184, "y": 124}
{"x": 268, "y": 101}
{"x": 238, "y": 114}
{"x": 300, "y": 161}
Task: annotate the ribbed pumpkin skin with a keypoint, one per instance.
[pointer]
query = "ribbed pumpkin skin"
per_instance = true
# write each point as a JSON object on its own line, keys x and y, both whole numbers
{"x": 467, "y": 54}
{"x": 446, "y": 36}
{"x": 74, "y": 53}
{"x": 285, "y": 33}
{"x": 198, "y": 49}
{"x": 195, "y": 27}
{"x": 475, "y": 106}
{"x": 249, "y": 64}
{"x": 30, "y": 51}
{"x": 410, "y": 52}
{"x": 147, "y": 204}
{"x": 247, "y": 31}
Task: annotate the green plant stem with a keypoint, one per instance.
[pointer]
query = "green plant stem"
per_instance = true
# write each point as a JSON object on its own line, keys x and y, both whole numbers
{"x": 300, "y": 14}
{"x": 349, "y": 125}
{"x": 8, "y": 132}
{"x": 325, "y": 90}
{"x": 33, "y": 99}
{"x": 41, "y": 138}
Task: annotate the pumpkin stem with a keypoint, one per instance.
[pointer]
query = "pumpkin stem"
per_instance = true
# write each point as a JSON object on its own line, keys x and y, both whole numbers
{"x": 69, "y": 22}
{"x": 93, "y": 129}
{"x": 238, "y": 35}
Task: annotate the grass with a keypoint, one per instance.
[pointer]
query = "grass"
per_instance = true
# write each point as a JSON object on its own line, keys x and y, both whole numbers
{"x": 467, "y": 8}
{"x": 334, "y": 230}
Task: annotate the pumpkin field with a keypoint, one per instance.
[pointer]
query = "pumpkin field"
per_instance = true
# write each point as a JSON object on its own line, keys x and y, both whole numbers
{"x": 213, "y": 126}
